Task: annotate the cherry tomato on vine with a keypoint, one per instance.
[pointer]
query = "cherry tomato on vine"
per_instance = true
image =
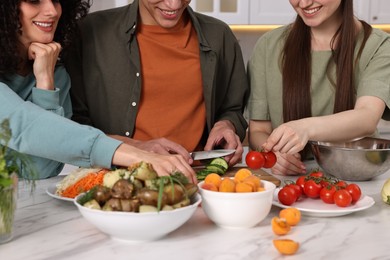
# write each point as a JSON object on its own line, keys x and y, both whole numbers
{"x": 297, "y": 189}
{"x": 255, "y": 160}
{"x": 270, "y": 159}
{"x": 287, "y": 196}
{"x": 312, "y": 189}
{"x": 301, "y": 183}
{"x": 341, "y": 184}
{"x": 317, "y": 174}
{"x": 327, "y": 194}
{"x": 355, "y": 191}
{"x": 342, "y": 198}
{"x": 325, "y": 182}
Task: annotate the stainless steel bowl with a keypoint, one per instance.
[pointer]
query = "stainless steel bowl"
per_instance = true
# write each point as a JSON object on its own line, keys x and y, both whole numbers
{"x": 358, "y": 160}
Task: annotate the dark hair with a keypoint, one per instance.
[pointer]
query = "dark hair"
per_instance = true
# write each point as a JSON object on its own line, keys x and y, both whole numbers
{"x": 296, "y": 65}
{"x": 10, "y": 58}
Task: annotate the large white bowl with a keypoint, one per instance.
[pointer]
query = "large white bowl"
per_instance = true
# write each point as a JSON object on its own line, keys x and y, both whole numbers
{"x": 237, "y": 210}
{"x": 138, "y": 227}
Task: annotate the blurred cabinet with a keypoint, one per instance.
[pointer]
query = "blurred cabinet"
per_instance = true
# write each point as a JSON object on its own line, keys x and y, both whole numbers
{"x": 379, "y": 11}
{"x": 229, "y": 11}
{"x": 98, "y": 5}
{"x": 271, "y": 12}
{"x": 280, "y": 11}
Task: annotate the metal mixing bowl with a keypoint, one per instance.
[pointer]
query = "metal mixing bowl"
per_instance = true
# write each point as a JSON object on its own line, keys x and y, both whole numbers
{"x": 358, "y": 160}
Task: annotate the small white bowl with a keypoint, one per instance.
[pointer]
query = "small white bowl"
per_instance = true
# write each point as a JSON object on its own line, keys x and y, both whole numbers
{"x": 138, "y": 227}
{"x": 237, "y": 210}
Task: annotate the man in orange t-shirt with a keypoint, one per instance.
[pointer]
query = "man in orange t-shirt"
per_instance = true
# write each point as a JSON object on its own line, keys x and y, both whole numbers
{"x": 161, "y": 77}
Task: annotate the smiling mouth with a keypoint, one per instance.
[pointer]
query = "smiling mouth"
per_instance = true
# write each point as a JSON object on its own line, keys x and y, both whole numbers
{"x": 312, "y": 10}
{"x": 169, "y": 12}
{"x": 42, "y": 24}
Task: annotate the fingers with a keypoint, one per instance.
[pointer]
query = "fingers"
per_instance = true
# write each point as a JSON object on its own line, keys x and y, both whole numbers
{"x": 45, "y": 59}
{"x": 224, "y": 135}
{"x": 172, "y": 163}
{"x": 286, "y": 139}
{"x": 289, "y": 165}
{"x": 51, "y": 50}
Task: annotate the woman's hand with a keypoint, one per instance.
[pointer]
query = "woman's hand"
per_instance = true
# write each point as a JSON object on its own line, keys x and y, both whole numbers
{"x": 288, "y": 164}
{"x": 164, "y": 164}
{"x": 289, "y": 138}
{"x": 45, "y": 57}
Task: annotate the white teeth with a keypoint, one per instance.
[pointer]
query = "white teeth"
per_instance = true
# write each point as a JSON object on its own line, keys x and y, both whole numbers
{"x": 312, "y": 11}
{"x": 43, "y": 24}
{"x": 169, "y": 12}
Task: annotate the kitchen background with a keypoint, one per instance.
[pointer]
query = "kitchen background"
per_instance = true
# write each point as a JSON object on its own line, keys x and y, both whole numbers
{"x": 249, "y": 19}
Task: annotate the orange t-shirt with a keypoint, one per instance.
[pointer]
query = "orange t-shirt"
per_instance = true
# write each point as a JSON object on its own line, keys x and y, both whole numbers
{"x": 172, "y": 104}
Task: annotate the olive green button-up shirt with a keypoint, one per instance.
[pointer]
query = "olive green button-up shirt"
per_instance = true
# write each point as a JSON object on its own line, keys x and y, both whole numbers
{"x": 107, "y": 79}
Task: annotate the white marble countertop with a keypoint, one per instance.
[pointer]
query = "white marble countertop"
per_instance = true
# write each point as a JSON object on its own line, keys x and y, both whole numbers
{"x": 47, "y": 228}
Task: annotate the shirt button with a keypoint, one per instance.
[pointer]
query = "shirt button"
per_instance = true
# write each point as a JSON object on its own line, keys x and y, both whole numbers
{"x": 133, "y": 104}
{"x": 137, "y": 74}
{"x": 127, "y": 133}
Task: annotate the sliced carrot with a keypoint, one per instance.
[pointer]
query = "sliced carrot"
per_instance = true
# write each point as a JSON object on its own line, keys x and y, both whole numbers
{"x": 84, "y": 184}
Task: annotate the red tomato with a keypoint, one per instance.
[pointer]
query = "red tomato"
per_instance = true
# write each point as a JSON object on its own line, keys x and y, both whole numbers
{"x": 312, "y": 189}
{"x": 355, "y": 191}
{"x": 327, "y": 194}
{"x": 317, "y": 174}
{"x": 341, "y": 184}
{"x": 297, "y": 189}
{"x": 301, "y": 183}
{"x": 255, "y": 160}
{"x": 325, "y": 182}
{"x": 270, "y": 159}
{"x": 287, "y": 196}
{"x": 342, "y": 198}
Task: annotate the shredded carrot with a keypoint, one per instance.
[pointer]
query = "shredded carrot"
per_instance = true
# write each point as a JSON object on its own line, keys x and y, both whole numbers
{"x": 84, "y": 184}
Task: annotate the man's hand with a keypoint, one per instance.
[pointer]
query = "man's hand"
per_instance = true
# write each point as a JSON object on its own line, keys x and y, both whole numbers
{"x": 223, "y": 135}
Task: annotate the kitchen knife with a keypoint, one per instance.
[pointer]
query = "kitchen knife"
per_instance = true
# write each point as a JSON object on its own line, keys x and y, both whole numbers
{"x": 202, "y": 155}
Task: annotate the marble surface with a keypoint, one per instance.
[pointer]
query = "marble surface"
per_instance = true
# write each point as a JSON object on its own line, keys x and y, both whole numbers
{"x": 47, "y": 228}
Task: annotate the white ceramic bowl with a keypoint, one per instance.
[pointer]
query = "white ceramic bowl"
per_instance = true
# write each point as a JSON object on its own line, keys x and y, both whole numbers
{"x": 237, "y": 210}
{"x": 139, "y": 227}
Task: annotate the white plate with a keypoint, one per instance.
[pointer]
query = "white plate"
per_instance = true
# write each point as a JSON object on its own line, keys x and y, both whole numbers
{"x": 317, "y": 208}
{"x": 51, "y": 191}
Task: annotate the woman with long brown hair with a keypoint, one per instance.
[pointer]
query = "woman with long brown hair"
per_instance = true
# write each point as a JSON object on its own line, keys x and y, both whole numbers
{"x": 325, "y": 77}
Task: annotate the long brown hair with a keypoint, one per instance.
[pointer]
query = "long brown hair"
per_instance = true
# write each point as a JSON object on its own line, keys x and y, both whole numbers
{"x": 297, "y": 64}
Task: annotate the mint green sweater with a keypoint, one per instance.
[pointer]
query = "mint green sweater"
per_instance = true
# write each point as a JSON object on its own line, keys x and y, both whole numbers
{"x": 41, "y": 127}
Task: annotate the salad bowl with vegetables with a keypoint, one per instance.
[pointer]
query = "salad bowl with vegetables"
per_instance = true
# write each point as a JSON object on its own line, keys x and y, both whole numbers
{"x": 137, "y": 205}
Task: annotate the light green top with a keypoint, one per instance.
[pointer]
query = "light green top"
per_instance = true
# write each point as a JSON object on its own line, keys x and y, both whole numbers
{"x": 41, "y": 126}
{"x": 265, "y": 101}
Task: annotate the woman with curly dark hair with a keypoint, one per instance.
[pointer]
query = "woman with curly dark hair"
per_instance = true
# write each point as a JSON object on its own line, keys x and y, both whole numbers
{"x": 34, "y": 93}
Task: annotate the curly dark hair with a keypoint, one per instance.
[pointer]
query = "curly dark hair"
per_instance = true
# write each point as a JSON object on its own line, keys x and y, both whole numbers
{"x": 10, "y": 58}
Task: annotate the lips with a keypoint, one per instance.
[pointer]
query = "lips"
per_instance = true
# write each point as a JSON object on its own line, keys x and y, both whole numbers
{"x": 45, "y": 26}
{"x": 311, "y": 11}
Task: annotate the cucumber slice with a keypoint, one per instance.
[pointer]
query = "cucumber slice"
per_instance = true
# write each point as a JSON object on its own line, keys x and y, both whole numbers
{"x": 220, "y": 161}
{"x": 216, "y": 168}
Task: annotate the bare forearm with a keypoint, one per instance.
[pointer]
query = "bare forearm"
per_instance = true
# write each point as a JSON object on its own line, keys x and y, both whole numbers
{"x": 342, "y": 126}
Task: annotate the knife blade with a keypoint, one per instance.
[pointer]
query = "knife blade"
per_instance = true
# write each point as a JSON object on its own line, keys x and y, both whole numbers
{"x": 202, "y": 155}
